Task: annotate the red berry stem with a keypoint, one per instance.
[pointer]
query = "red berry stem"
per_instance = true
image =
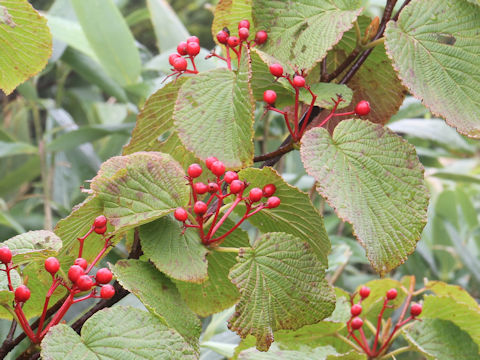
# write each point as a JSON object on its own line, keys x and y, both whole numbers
{"x": 8, "y": 268}
{"x": 297, "y": 93}
{"x": 58, "y": 316}
{"x": 332, "y": 112}
{"x": 361, "y": 344}
{"x": 225, "y": 216}
{"x": 379, "y": 324}
{"x": 82, "y": 240}
{"x": 365, "y": 342}
{"x": 229, "y": 60}
{"x": 24, "y": 322}
{"x": 285, "y": 115}
{"x": 53, "y": 287}
{"x": 100, "y": 254}
{"x": 312, "y": 104}
{"x": 195, "y": 71}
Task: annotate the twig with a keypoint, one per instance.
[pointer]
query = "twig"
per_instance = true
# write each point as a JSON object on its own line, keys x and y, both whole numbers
{"x": 405, "y": 3}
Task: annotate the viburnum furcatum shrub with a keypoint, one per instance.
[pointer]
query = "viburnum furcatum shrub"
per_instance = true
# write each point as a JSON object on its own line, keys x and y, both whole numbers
{"x": 207, "y": 229}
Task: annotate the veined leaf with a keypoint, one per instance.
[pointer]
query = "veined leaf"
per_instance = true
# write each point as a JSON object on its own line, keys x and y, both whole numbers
{"x": 33, "y": 245}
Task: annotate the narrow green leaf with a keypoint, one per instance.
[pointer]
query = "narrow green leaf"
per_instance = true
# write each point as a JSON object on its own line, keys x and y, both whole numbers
{"x": 110, "y": 38}
{"x": 26, "y": 43}
{"x": 16, "y": 148}
{"x": 374, "y": 180}
{"x": 159, "y": 295}
{"x": 434, "y": 47}
{"x": 33, "y": 245}
{"x": 22, "y": 174}
{"x": 282, "y": 286}
{"x": 119, "y": 333}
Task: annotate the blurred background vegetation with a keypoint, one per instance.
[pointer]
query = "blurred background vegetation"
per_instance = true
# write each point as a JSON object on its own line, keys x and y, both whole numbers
{"x": 58, "y": 127}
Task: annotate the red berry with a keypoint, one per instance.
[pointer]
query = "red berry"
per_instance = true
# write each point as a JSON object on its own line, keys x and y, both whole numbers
{"x": 193, "y": 39}
{"x": 193, "y": 49}
{"x": 22, "y": 294}
{"x": 364, "y": 292}
{"x": 236, "y": 186}
{"x": 392, "y": 294}
{"x": 84, "y": 282}
{"x": 299, "y": 81}
{"x": 362, "y": 108}
{"x": 81, "y": 262}
{"x": 5, "y": 255}
{"x": 276, "y": 70}
{"x": 269, "y": 190}
{"x": 218, "y": 168}
{"x": 243, "y": 33}
{"x": 255, "y": 194}
{"x": 107, "y": 291}
{"x": 209, "y": 162}
{"x": 356, "y": 310}
{"x": 222, "y": 37}
{"x": 180, "y": 64}
{"x": 103, "y": 276}
{"x": 100, "y": 221}
{"x": 273, "y": 202}
{"x": 212, "y": 187}
{"x": 200, "y": 188}
{"x": 260, "y": 37}
{"x": 415, "y": 310}
{"x": 182, "y": 48}
{"x": 52, "y": 265}
{"x": 180, "y": 214}
{"x": 172, "y": 58}
{"x": 100, "y": 230}
{"x": 356, "y": 323}
{"x": 194, "y": 170}
{"x": 200, "y": 208}
{"x": 269, "y": 96}
{"x": 75, "y": 272}
{"x": 233, "y": 41}
{"x": 244, "y": 24}
{"x": 230, "y": 176}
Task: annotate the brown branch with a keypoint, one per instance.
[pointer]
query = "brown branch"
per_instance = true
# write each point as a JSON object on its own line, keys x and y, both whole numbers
{"x": 280, "y": 151}
{"x": 345, "y": 64}
{"x": 405, "y": 3}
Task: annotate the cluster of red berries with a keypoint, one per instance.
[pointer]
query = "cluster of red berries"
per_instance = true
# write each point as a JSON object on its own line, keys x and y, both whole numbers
{"x": 356, "y": 323}
{"x": 185, "y": 50}
{"x": 207, "y": 220}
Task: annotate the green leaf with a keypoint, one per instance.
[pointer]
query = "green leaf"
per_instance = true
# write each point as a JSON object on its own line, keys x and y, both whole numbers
{"x": 26, "y": 43}
{"x": 434, "y": 47}
{"x": 26, "y": 172}
{"x": 139, "y": 188}
{"x": 282, "y": 286}
{"x": 276, "y": 353}
{"x": 180, "y": 256}
{"x": 453, "y": 291}
{"x": 442, "y": 340}
{"x": 119, "y": 333}
{"x": 374, "y": 180}
{"x": 217, "y": 292}
{"x": 159, "y": 295}
{"x": 16, "y": 148}
{"x": 214, "y": 116}
{"x": 228, "y": 13}
{"x": 110, "y": 38}
{"x": 301, "y": 32}
{"x": 33, "y": 245}
{"x": 296, "y": 214}
{"x": 169, "y": 30}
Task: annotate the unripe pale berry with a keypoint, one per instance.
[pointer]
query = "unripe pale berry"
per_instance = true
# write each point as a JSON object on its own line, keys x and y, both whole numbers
{"x": 5, "y": 255}
{"x": 84, "y": 282}
{"x": 182, "y": 48}
{"x": 180, "y": 64}
{"x": 243, "y": 34}
{"x": 276, "y": 70}
{"x": 194, "y": 170}
{"x": 273, "y": 202}
{"x": 356, "y": 310}
{"x": 212, "y": 187}
{"x": 230, "y": 176}
{"x": 269, "y": 190}
{"x": 172, "y": 58}
{"x": 255, "y": 194}
{"x": 364, "y": 292}
{"x": 100, "y": 230}
{"x": 193, "y": 49}
{"x": 260, "y": 37}
{"x": 81, "y": 262}
{"x": 233, "y": 41}
{"x": 200, "y": 188}
{"x": 299, "y": 81}
{"x": 269, "y": 96}
{"x": 100, "y": 221}
{"x": 222, "y": 37}
{"x": 180, "y": 214}
{"x": 236, "y": 186}
{"x": 218, "y": 168}
{"x": 75, "y": 272}
{"x": 244, "y": 24}
{"x": 52, "y": 265}
{"x": 103, "y": 276}
{"x": 415, "y": 310}
{"x": 193, "y": 39}
{"x": 107, "y": 291}
{"x": 200, "y": 208}
{"x": 362, "y": 108}
{"x": 356, "y": 323}
{"x": 392, "y": 294}
{"x": 22, "y": 294}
